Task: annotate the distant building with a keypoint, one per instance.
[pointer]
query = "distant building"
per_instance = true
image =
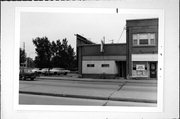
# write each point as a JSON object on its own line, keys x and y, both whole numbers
{"x": 137, "y": 57}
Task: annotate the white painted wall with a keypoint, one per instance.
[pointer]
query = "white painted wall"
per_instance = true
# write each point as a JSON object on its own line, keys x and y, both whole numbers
{"x": 144, "y": 57}
{"x": 97, "y": 69}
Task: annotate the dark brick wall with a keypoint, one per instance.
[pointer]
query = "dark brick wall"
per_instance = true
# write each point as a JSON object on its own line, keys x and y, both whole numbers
{"x": 109, "y": 50}
{"x": 140, "y": 26}
{"x": 144, "y": 49}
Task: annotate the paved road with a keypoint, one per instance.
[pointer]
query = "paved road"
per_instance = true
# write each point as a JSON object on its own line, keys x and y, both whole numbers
{"x": 49, "y": 100}
{"x": 111, "y": 91}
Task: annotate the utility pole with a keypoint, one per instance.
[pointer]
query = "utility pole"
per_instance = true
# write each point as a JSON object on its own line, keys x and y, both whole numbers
{"x": 25, "y": 53}
{"x": 24, "y": 46}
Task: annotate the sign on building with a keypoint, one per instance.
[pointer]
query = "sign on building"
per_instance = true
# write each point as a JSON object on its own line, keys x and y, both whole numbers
{"x": 140, "y": 67}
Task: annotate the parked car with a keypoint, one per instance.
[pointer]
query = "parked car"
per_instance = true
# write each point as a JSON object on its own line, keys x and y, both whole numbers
{"x": 36, "y": 70}
{"x": 58, "y": 71}
{"x": 44, "y": 71}
{"x": 26, "y": 73}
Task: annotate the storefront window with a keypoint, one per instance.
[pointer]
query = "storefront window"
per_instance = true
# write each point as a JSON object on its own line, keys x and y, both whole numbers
{"x": 140, "y": 69}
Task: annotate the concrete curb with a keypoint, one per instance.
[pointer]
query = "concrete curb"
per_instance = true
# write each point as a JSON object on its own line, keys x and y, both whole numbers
{"x": 98, "y": 80}
{"x": 89, "y": 97}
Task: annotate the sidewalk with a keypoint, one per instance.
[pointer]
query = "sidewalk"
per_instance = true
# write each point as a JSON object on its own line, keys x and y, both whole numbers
{"x": 71, "y": 78}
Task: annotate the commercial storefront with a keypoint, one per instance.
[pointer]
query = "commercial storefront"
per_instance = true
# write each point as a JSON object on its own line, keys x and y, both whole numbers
{"x": 101, "y": 60}
{"x": 142, "y": 43}
{"x": 137, "y": 58}
{"x": 144, "y": 65}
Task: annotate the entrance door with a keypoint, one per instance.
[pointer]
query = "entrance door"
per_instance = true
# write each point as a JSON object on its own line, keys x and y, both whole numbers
{"x": 153, "y": 70}
{"x": 122, "y": 68}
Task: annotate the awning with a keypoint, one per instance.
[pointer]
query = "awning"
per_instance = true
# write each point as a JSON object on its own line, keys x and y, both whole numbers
{"x": 144, "y": 57}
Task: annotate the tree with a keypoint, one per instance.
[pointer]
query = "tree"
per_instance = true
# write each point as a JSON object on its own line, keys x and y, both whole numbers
{"x": 71, "y": 57}
{"x": 43, "y": 51}
{"x": 56, "y": 48}
{"x": 30, "y": 62}
{"x": 63, "y": 54}
{"x": 54, "y": 54}
{"x": 22, "y": 57}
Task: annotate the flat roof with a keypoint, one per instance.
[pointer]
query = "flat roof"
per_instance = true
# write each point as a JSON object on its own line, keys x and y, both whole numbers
{"x": 108, "y": 44}
{"x": 142, "y": 19}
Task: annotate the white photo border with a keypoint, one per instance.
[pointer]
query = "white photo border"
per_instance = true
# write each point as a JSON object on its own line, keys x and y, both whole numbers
{"x": 159, "y": 12}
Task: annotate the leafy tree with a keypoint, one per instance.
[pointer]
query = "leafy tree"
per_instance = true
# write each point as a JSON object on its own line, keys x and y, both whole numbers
{"x": 22, "y": 57}
{"x": 30, "y": 62}
{"x": 71, "y": 57}
{"x": 63, "y": 54}
{"x": 54, "y": 54}
{"x": 56, "y": 49}
{"x": 43, "y": 51}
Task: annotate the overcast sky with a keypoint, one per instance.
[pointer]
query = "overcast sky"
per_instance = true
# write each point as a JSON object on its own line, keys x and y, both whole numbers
{"x": 64, "y": 25}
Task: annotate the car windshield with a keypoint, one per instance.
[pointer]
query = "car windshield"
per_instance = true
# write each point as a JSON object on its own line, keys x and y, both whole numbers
{"x": 58, "y": 68}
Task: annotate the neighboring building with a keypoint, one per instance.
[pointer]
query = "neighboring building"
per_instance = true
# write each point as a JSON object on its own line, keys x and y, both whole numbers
{"x": 136, "y": 58}
{"x": 142, "y": 47}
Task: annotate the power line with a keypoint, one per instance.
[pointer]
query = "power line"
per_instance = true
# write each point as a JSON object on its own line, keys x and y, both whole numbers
{"x": 124, "y": 28}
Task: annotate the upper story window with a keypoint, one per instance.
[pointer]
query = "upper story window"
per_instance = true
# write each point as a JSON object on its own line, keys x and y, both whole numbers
{"x": 144, "y": 39}
{"x": 90, "y": 65}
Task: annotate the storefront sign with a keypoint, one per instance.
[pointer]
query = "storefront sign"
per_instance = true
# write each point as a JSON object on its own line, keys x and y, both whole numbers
{"x": 140, "y": 67}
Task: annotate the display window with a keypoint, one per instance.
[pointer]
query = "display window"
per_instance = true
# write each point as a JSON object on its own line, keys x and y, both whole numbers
{"x": 140, "y": 69}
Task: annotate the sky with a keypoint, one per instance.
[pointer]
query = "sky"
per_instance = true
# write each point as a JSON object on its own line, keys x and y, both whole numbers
{"x": 64, "y": 25}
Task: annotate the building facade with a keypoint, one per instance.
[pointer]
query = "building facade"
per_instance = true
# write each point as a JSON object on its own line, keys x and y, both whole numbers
{"x": 137, "y": 58}
{"x": 142, "y": 51}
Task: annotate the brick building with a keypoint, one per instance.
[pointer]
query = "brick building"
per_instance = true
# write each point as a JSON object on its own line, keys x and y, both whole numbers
{"x": 135, "y": 58}
{"x": 142, "y": 51}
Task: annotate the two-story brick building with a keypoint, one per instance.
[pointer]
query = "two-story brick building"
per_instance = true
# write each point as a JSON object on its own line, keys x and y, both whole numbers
{"x": 142, "y": 47}
{"x": 135, "y": 58}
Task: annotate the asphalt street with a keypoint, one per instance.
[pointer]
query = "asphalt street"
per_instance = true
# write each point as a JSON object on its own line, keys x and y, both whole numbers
{"x": 78, "y": 92}
{"x": 50, "y": 100}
